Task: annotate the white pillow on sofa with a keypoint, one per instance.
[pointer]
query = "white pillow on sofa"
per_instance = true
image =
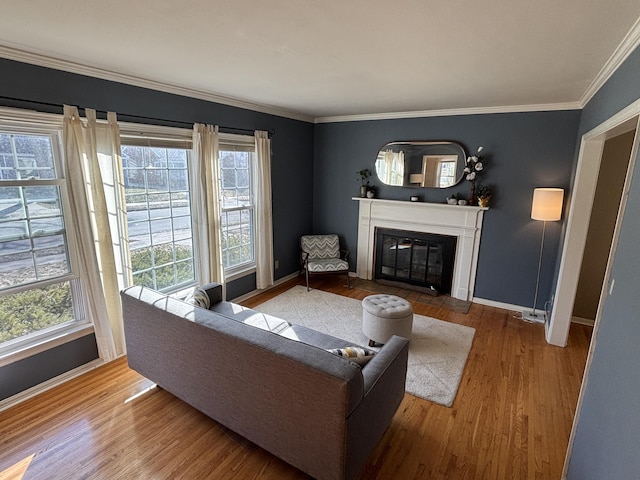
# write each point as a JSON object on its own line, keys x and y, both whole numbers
{"x": 354, "y": 353}
{"x": 199, "y": 298}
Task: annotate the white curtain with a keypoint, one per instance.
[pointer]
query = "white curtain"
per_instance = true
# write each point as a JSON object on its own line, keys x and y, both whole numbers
{"x": 392, "y": 167}
{"x": 264, "y": 227}
{"x": 83, "y": 146}
{"x": 207, "y": 210}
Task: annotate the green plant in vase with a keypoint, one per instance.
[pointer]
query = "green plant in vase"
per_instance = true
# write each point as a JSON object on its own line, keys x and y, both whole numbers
{"x": 483, "y": 195}
{"x": 364, "y": 178}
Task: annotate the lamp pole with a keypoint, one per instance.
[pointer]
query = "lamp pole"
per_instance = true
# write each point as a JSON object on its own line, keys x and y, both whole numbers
{"x": 533, "y": 316}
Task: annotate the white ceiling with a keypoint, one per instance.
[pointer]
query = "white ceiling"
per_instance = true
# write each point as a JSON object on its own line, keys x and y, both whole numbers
{"x": 334, "y": 58}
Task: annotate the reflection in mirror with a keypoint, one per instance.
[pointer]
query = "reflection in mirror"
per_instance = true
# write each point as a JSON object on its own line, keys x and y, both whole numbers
{"x": 390, "y": 167}
{"x": 421, "y": 164}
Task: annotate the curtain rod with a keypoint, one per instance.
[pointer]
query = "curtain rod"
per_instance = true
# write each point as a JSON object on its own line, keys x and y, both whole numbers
{"x": 150, "y": 120}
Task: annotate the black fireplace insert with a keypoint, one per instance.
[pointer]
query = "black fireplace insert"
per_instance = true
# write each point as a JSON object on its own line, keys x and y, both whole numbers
{"x": 422, "y": 260}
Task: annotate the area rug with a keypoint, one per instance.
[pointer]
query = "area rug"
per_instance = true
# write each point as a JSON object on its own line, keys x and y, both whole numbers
{"x": 437, "y": 352}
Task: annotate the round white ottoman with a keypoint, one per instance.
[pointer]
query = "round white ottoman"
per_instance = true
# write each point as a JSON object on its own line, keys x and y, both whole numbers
{"x": 384, "y": 316}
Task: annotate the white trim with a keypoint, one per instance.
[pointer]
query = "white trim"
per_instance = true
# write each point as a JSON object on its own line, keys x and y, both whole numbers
{"x": 579, "y": 216}
{"x": 49, "y": 384}
{"x": 577, "y": 226}
{"x": 153, "y": 132}
{"x": 253, "y": 293}
{"x": 35, "y": 57}
{"x": 582, "y": 321}
{"x": 621, "y": 53}
{"x": 452, "y": 112}
{"x": 30, "y": 120}
{"x": 616, "y": 125}
{"x": 504, "y": 306}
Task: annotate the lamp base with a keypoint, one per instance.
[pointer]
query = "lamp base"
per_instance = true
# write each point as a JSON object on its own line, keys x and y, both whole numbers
{"x": 533, "y": 316}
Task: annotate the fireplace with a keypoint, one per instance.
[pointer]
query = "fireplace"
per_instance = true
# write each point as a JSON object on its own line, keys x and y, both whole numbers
{"x": 422, "y": 260}
{"x": 463, "y": 223}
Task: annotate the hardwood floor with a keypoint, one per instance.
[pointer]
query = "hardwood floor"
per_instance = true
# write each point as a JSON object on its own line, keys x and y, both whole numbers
{"x": 511, "y": 418}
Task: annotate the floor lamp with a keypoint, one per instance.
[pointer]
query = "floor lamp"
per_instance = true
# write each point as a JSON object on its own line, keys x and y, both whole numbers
{"x": 546, "y": 206}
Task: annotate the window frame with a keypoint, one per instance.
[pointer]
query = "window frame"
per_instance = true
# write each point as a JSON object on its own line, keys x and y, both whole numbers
{"x": 32, "y": 123}
{"x": 245, "y": 143}
{"x": 152, "y": 136}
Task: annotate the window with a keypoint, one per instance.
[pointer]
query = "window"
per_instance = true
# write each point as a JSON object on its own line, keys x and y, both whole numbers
{"x": 447, "y": 172}
{"x": 159, "y": 223}
{"x": 238, "y": 231}
{"x": 40, "y": 291}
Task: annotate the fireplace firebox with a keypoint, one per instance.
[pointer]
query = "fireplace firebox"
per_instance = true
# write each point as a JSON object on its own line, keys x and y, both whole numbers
{"x": 422, "y": 260}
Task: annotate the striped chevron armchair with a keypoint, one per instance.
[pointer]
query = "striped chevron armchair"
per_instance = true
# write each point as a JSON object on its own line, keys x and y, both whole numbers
{"x": 322, "y": 254}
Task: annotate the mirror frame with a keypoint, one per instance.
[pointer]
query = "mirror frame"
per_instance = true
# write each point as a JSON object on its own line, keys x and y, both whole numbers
{"x": 415, "y": 168}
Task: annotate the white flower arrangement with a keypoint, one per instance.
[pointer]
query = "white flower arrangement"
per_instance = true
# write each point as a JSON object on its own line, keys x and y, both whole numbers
{"x": 474, "y": 165}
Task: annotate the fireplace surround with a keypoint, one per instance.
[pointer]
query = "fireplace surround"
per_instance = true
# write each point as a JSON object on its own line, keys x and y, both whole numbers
{"x": 462, "y": 222}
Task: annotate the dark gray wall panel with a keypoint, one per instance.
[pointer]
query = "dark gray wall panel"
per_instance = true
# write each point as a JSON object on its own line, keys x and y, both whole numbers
{"x": 608, "y": 429}
{"x": 21, "y": 375}
{"x": 608, "y": 423}
{"x": 523, "y": 151}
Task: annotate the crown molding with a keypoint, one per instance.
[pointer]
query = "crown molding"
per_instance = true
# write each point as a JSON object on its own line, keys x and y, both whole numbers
{"x": 43, "y": 60}
{"x": 452, "y": 112}
{"x": 622, "y": 52}
{"x": 626, "y": 46}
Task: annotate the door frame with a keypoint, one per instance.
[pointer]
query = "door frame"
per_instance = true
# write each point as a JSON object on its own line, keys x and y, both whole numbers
{"x": 616, "y": 125}
{"x": 579, "y": 216}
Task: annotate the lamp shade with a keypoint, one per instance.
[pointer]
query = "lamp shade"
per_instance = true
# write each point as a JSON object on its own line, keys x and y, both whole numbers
{"x": 416, "y": 178}
{"x": 547, "y": 204}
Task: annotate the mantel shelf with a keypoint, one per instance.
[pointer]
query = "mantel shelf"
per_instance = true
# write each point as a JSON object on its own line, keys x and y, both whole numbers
{"x": 428, "y": 204}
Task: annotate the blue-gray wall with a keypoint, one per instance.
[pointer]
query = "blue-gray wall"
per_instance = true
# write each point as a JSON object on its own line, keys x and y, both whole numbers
{"x": 607, "y": 437}
{"x": 29, "y": 372}
{"x": 291, "y": 167}
{"x": 522, "y": 151}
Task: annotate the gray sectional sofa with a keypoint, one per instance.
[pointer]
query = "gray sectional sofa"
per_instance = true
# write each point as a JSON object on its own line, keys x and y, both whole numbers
{"x": 274, "y": 383}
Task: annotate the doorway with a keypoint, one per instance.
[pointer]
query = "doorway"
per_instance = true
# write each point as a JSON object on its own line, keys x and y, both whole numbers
{"x": 614, "y": 164}
{"x": 581, "y": 206}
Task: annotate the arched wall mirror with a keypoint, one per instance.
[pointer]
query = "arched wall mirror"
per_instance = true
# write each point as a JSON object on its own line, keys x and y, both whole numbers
{"x": 421, "y": 164}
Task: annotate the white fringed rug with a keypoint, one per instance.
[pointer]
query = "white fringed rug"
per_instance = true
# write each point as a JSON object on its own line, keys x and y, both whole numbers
{"x": 437, "y": 352}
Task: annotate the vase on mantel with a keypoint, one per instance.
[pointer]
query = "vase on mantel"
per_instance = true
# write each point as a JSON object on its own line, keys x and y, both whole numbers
{"x": 483, "y": 201}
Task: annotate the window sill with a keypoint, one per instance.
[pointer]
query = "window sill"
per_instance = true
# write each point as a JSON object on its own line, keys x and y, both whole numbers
{"x": 59, "y": 337}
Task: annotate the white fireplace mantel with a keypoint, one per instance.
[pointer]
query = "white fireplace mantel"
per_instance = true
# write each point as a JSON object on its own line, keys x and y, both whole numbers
{"x": 463, "y": 222}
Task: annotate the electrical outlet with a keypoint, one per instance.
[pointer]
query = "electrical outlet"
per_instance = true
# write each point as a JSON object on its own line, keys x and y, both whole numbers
{"x": 277, "y": 264}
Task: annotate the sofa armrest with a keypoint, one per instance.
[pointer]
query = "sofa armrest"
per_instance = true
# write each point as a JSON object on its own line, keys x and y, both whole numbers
{"x": 392, "y": 357}
{"x": 214, "y": 290}
{"x": 384, "y": 384}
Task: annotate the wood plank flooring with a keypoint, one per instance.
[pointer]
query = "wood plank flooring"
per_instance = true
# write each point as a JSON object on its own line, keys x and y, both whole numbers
{"x": 511, "y": 418}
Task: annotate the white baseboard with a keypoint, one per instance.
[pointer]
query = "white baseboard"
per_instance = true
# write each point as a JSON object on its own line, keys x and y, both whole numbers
{"x": 504, "y": 306}
{"x": 49, "y": 384}
{"x": 253, "y": 293}
{"x": 583, "y": 321}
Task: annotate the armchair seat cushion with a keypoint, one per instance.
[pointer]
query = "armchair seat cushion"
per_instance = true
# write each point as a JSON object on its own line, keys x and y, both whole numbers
{"x": 327, "y": 265}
